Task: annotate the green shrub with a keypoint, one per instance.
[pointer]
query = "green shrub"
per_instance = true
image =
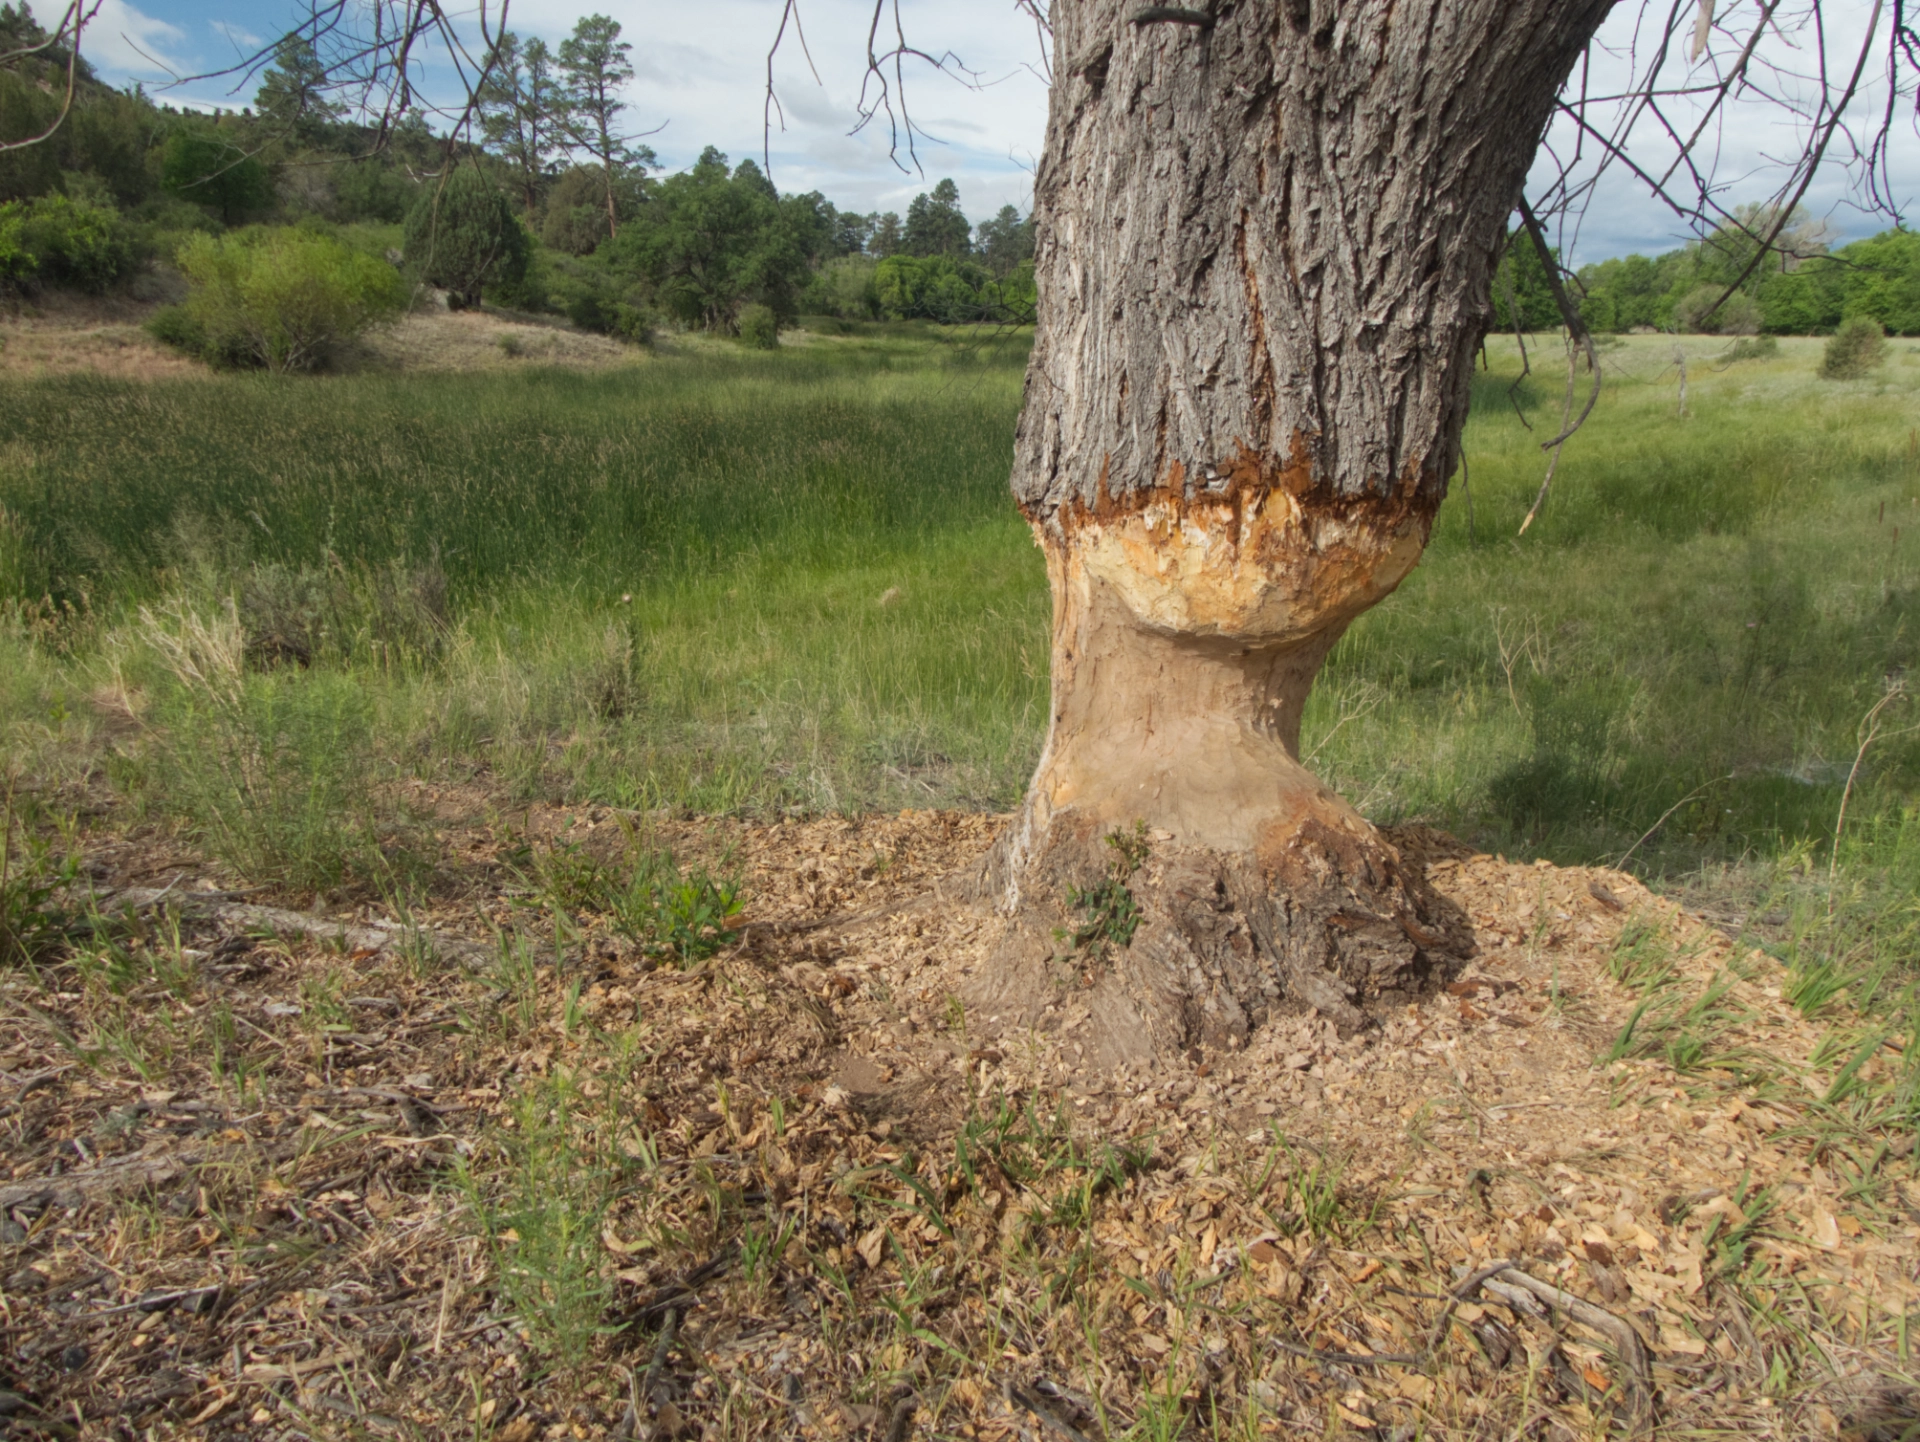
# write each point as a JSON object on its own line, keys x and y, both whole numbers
{"x": 302, "y": 614}
{"x": 32, "y": 878}
{"x": 1753, "y": 347}
{"x": 368, "y": 190}
{"x": 843, "y": 288}
{"x": 211, "y": 171}
{"x": 58, "y": 241}
{"x": 270, "y": 773}
{"x": 1739, "y": 314}
{"x": 679, "y": 916}
{"x": 1857, "y": 348}
{"x": 759, "y": 328}
{"x": 462, "y": 235}
{"x": 595, "y": 299}
{"x": 179, "y": 327}
{"x": 18, "y": 263}
{"x": 280, "y": 298}
{"x": 576, "y": 212}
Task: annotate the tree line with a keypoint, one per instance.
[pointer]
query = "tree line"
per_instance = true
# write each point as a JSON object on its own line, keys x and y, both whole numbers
{"x": 1803, "y": 286}
{"x": 554, "y": 203}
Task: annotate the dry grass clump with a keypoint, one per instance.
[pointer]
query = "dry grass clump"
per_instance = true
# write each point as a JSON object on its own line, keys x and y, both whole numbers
{"x": 438, "y": 340}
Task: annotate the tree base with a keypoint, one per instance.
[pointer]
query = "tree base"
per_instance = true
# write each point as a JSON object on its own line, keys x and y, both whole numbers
{"x": 1334, "y": 922}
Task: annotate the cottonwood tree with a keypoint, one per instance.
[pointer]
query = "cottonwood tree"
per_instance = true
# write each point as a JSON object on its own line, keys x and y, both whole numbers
{"x": 1266, "y": 234}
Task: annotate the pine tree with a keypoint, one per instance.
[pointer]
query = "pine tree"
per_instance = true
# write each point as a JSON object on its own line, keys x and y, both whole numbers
{"x": 595, "y": 63}
{"x": 524, "y": 116}
{"x": 293, "y": 94}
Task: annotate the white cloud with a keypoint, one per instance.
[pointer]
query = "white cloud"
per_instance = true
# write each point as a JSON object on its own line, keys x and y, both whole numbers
{"x": 123, "y": 39}
{"x": 1747, "y": 150}
{"x": 243, "y": 41}
{"x": 703, "y": 68}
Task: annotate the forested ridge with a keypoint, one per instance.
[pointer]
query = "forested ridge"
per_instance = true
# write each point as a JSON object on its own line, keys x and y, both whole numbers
{"x": 549, "y": 203}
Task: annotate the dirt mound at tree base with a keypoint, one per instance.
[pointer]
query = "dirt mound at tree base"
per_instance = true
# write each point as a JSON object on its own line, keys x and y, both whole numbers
{"x": 391, "y": 1192}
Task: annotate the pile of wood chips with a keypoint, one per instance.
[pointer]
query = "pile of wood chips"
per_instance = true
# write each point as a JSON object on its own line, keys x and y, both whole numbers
{"x": 1609, "y": 1180}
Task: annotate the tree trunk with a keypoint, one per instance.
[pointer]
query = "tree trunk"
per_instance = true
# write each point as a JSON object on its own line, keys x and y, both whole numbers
{"x": 1265, "y": 249}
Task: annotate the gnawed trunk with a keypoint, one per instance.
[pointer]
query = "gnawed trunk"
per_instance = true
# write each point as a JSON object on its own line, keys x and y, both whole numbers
{"x": 1265, "y": 250}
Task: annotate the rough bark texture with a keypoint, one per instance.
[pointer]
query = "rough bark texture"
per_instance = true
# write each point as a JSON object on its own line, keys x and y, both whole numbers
{"x": 1265, "y": 247}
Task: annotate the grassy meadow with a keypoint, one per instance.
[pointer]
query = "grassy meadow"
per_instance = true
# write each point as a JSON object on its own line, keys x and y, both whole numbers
{"x": 725, "y": 581}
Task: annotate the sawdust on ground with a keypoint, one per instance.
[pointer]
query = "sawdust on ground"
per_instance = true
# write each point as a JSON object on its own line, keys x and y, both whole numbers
{"x": 842, "y": 1202}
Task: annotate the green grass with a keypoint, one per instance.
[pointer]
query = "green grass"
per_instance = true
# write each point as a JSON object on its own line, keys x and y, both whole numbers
{"x": 1698, "y": 622}
{"x": 713, "y": 580}
{"x": 721, "y": 580}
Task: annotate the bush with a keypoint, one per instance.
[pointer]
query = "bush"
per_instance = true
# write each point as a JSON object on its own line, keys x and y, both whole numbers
{"x": 843, "y": 288}
{"x": 270, "y": 772}
{"x": 278, "y": 298}
{"x": 58, "y": 241}
{"x": 576, "y": 212}
{"x": 595, "y": 299}
{"x": 1760, "y": 347}
{"x": 759, "y": 328}
{"x": 297, "y": 616}
{"x": 463, "y": 235}
{"x": 1857, "y": 348}
{"x": 1740, "y": 315}
{"x": 32, "y": 881}
{"x": 18, "y": 264}
{"x": 366, "y": 190}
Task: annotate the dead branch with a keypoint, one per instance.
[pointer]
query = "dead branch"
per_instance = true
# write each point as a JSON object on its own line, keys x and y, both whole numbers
{"x": 1577, "y": 334}
{"x": 1632, "y": 1352}
{"x": 372, "y": 936}
{"x": 77, "y": 15}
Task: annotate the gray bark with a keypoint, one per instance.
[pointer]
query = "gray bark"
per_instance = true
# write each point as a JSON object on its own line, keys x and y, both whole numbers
{"x": 1266, "y": 247}
{"x": 1271, "y": 240}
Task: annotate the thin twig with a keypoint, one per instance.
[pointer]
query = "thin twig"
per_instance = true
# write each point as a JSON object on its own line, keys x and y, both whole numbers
{"x": 1577, "y": 335}
{"x": 1868, "y": 731}
{"x": 668, "y": 1328}
{"x": 1664, "y": 815}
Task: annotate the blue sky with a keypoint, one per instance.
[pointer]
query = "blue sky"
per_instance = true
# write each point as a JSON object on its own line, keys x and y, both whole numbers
{"x": 702, "y": 68}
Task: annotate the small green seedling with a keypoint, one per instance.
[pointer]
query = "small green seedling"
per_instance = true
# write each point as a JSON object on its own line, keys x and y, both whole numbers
{"x": 1113, "y": 915}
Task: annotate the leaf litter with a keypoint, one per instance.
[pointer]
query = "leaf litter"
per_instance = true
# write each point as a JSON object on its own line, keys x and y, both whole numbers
{"x": 515, "y": 1175}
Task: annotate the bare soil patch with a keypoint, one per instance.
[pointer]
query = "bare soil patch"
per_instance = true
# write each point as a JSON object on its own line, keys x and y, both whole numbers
{"x": 61, "y": 334}
{"x": 278, "y": 1187}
